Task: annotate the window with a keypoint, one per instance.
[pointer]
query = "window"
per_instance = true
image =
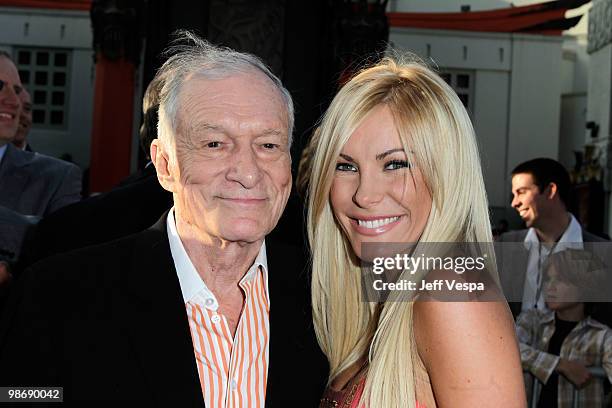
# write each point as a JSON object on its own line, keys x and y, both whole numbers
{"x": 44, "y": 72}
{"x": 463, "y": 84}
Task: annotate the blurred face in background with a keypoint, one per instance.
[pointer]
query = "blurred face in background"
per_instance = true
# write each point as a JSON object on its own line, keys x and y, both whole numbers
{"x": 527, "y": 199}
{"x": 25, "y": 120}
{"x": 559, "y": 294}
{"x": 10, "y": 105}
{"x": 378, "y": 195}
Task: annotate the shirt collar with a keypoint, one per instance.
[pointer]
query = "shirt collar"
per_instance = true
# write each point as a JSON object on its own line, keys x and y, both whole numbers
{"x": 2, "y": 151}
{"x": 191, "y": 283}
{"x": 571, "y": 238}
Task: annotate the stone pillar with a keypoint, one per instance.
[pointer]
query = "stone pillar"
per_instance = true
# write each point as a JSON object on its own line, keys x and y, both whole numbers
{"x": 117, "y": 40}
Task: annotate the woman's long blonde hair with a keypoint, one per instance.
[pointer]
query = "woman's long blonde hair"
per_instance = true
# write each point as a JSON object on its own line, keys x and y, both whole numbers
{"x": 431, "y": 119}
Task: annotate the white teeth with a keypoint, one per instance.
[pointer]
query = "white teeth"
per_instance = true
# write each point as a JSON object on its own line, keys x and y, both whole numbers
{"x": 6, "y": 115}
{"x": 377, "y": 223}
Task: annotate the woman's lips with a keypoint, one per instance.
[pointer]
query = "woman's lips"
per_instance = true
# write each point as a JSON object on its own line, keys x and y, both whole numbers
{"x": 373, "y": 226}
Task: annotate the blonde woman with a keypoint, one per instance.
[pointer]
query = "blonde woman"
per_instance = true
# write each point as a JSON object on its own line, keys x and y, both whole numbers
{"x": 396, "y": 161}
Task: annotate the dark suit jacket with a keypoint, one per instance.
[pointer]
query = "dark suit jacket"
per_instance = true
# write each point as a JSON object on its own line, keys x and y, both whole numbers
{"x": 35, "y": 184}
{"x": 513, "y": 259}
{"x": 127, "y": 209}
{"x": 108, "y": 323}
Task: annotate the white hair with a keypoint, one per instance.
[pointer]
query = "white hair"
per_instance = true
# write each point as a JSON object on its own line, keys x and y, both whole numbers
{"x": 191, "y": 55}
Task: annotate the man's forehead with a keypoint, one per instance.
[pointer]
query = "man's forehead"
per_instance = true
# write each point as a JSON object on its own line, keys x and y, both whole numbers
{"x": 522, "y": 180}
{"x": 234, "y": 103}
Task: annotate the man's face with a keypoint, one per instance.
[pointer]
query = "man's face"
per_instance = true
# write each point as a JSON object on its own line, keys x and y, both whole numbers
{"x": 10, "y": 106}
{"x": 232, "y": 167}
{"x": 527, "y": 198}
{"x": 25, "y": 119}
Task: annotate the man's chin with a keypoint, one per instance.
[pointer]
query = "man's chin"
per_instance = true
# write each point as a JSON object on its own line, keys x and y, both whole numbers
{"x": 245, "y": 235}
{"x": 528, "y": 222}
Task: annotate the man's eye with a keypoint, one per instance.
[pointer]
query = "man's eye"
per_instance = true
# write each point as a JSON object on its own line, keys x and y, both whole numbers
{"x": 213, "y": 145}
{"x": 397, "y": 164}
{"x": 345, "y": 167}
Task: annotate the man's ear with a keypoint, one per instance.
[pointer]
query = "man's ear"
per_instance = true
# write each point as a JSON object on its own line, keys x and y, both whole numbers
{"x": 159, "y": 158}
{"x": 551, "y": 191}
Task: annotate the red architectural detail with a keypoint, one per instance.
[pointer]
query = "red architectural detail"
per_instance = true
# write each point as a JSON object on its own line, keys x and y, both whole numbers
{"x": 542, "y": 18}
{"x": 83, "y": 5}
{"x": 111, "y": 138}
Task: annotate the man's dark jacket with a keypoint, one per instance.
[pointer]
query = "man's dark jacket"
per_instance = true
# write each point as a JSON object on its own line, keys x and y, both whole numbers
{"x": 108, "y": 323}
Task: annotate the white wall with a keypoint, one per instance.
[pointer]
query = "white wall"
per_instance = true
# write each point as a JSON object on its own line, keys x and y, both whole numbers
{"x": 535, "y": 101}
{"x": 574, "y": 87}
{"x": 491, "y": 125}
{"x": 517, "y": 95}
{"x": 58, "y": 29}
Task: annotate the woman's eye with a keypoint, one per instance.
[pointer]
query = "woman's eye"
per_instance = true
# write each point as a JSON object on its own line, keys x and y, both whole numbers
{"x": 270, "y": 146}
{"x": 213, "y": 145}
{"x": 345, "y": 167}
{"x": 397, "y": 164}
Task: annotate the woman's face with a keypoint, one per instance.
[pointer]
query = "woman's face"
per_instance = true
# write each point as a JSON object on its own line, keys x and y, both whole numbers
{"x": 377, "y": 194}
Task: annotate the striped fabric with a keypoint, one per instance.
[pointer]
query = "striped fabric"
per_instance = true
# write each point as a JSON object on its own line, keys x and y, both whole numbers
{"x": 233, "y": 371}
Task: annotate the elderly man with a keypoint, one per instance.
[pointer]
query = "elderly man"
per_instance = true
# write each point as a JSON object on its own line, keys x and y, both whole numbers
{"x": 198, "y": 310}
{"x": 25, "y": 122}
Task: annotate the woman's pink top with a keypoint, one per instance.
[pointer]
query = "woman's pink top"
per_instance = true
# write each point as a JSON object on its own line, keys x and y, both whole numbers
{"x": 348, "y": 397}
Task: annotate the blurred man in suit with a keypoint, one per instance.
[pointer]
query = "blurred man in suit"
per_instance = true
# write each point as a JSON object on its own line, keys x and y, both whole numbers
{"x": 31, "y": 184}
{"x": 201, "y": 309}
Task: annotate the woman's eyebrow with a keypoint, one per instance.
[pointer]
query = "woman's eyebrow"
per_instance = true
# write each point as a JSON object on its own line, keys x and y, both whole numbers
{"x": 381, "y": 156}
{"x": 347, "y": 157}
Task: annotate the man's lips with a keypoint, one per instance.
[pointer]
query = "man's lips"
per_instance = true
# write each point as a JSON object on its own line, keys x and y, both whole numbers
{"x": 244, "y": 200}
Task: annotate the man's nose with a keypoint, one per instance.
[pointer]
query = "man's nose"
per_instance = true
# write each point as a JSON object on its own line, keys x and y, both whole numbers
{"x": 245, "y": 168}
{"x": 370, "y": 191}
{"x": 516, "y": 203}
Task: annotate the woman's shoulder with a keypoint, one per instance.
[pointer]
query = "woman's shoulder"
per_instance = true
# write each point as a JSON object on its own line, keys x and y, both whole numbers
{"x": 463, "y": 345}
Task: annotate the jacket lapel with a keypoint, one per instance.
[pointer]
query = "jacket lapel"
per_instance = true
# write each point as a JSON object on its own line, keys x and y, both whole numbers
{"x": 156, "y": 322}
{"x": 13, "y": 176}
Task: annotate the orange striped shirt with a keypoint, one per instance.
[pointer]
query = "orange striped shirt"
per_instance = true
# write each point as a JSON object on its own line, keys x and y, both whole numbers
{"x": 233, "y": 370}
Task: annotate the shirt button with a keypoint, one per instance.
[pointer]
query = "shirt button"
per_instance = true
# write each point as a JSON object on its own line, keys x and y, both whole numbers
{"x": 209, "y": 302}
{"x": 216, "y": 319}
{"x": 233, "y": 384}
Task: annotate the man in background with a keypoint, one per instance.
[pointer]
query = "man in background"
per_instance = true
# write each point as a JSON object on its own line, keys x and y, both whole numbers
{"x": 25, "y": 122}
{"x": 32, "y": 185}
{"x": 541, "y": 193}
